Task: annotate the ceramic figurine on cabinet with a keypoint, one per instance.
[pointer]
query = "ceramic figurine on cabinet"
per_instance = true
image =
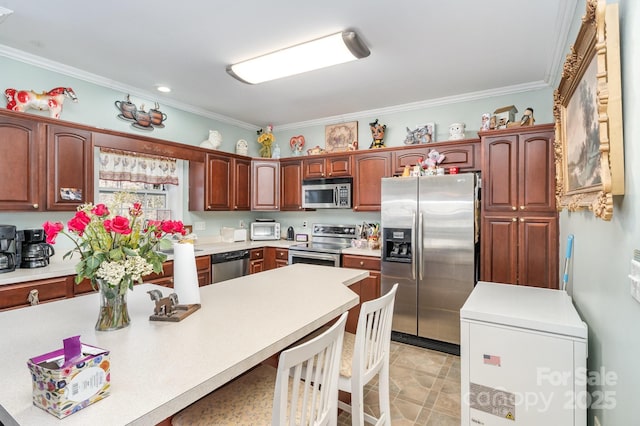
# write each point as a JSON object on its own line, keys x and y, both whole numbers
{"x": 20, "y": 100}
{"x": 214, "y": 141}
{"x": 297, "y": 144}
{"x": 456, "y": 131}
{"x": 242, "y": 147}
{"x": 527, "y": 118}
{"x": 486, "y": 122}
{"x": 377, "y": 132}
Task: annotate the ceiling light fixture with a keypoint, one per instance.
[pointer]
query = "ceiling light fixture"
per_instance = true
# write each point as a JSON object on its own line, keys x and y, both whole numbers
{"x": 163, "y": 89}
{"x": 323, "y": 52}
{"x": 4, "y": 13}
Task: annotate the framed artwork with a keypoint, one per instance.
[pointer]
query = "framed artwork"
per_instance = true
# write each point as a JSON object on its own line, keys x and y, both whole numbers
{"x": 589, "y": 155}
{"x": 338, "y": 137}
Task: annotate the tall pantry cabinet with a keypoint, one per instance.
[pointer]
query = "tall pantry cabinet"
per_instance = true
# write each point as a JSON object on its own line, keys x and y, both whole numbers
{"x": 519, "y": 217}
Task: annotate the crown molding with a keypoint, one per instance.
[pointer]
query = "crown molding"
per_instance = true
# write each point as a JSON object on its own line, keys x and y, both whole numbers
{"x": 465, "y": 97}
{"x": 557, "y": 56}
{"x": 54, "y": 66}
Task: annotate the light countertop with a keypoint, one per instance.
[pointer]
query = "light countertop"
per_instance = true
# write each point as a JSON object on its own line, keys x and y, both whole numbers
{"x": 158, "y": 368}
{"x": 59, "y": 267}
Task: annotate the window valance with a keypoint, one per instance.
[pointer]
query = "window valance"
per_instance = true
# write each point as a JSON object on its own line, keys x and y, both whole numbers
{"x": 133, "y": 167}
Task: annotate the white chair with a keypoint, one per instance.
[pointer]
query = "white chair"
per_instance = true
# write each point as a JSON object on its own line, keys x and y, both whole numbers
{"x": 366, "y": 354}
{"x": 303, "y": 391}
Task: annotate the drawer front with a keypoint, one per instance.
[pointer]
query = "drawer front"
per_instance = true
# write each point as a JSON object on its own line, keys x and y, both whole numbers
{"x": 361, "y": 262}
{"x": 256, "y": 254}
{"x": 282, "y": 254}
{"x": 17, "y": 295}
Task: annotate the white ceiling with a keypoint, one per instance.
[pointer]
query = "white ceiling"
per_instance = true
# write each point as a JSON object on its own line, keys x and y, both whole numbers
{"x": 421, "y": 50}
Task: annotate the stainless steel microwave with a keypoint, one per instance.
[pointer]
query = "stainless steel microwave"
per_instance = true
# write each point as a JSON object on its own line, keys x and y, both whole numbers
{"x": 333, "y": 193}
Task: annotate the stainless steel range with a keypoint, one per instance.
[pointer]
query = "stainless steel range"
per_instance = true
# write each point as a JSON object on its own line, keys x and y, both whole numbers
{"x": 327, "y": 243}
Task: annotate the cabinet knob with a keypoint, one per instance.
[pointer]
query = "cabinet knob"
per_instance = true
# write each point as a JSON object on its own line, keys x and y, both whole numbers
{"x": 513, "y": 219}
{"x": 33, "y": 297}
{"x": 521, "y": 207}
{"x": 522, "y": 219}
{"x": 514, "y": 208}
{"x": 36, "y": 205}
{"x": 361, "y": 263}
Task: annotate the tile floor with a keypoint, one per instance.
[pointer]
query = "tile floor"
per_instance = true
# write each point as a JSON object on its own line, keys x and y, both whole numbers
{"x": 424, "y": 388}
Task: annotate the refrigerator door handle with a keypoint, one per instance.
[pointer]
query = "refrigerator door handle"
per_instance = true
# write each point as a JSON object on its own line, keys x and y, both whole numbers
{"x": 413, "y": 246}
{"x": 420, "y": 242}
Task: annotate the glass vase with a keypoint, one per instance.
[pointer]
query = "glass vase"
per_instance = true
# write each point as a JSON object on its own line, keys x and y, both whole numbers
{"x": 113, "y": 307}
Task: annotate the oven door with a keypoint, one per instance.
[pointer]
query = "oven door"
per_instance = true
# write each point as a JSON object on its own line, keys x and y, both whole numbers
{"x": 314, "y": 258}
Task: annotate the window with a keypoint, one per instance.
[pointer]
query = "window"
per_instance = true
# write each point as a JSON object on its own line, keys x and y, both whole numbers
{"x": 153, "y": 179}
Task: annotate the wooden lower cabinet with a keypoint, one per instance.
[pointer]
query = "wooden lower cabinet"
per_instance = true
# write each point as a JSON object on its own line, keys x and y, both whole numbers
{"x": 47, "y": 290}
{"x": 520, "y": 250}
{"x": 256, "y": 260}
{"x": 367, "y": 289}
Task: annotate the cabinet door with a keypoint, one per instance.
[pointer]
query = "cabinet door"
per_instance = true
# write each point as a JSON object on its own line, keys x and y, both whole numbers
{"x": 291, "y": 185}
{"x": 407, "y": 157}
{"x": 313, "y": 167}
{"x": 69, "y": 167}
{"x": 266, "y": 185}
{"x": 218, "y": 182}
{"x": 499, "y": 261}
{"x": 538, "y": 252}
{"x": 21, "y": 164}
{"x": 338, "y": 166}
{"x": 536, "y": 177}
{"x": 242, "y": 184}
{"x": 203, "y": 266}
{"x": 282, "y": 258}
{"x": 463, "y": 156}
{"x": 500, "y": 167}
{"x": 369, "y": 169}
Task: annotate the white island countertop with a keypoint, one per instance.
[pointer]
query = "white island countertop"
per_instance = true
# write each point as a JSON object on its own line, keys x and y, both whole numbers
{"x": 158, "y": 368}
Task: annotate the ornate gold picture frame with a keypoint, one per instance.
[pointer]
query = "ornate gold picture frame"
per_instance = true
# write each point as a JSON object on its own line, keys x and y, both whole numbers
{"x": 589, "y": 151}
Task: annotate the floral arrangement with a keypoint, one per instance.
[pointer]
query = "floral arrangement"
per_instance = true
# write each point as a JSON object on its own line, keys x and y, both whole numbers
{"x": 266, "y": 139}
{"x": 116, "y": 249}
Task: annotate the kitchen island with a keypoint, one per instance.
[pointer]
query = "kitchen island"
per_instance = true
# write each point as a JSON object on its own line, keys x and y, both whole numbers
{"x": 158, "y": 368}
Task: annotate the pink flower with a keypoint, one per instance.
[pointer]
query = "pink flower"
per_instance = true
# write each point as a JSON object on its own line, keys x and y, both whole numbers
{"x": 52, "y": 230}
{"x": 79, "y": 222}
{"x": 136, "y": 210}
{"x": 100, "y": 210}
{"x": 120, "y": 225}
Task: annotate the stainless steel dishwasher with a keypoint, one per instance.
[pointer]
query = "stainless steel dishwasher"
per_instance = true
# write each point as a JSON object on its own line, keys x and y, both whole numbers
{"x": 229, "y": 265}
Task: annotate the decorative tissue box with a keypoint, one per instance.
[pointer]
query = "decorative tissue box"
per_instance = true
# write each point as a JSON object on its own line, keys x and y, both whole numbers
{"x": 62, "y": 388}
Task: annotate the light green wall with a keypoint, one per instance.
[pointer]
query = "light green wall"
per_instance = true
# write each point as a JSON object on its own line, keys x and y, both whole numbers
{"x": 602, "y": 252}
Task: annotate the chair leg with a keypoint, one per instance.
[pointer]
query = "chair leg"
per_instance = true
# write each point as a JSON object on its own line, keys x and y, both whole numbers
{"x": 383, "y": 394}
{"x": 357, "y": 406}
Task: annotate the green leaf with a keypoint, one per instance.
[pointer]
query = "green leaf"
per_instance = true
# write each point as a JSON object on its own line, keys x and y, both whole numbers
{"x": 129, "y": 252}
{"x": 165, "y": 244}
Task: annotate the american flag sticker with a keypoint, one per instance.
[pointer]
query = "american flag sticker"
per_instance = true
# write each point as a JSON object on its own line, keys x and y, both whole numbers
{"x": 491, "y": 360}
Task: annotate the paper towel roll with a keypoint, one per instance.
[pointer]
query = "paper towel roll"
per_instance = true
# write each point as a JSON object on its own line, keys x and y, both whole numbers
{"x": 185, "y": 274}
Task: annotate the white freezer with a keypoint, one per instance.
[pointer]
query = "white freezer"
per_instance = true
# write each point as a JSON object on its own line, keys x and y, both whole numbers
{"x": 523, "y": 357}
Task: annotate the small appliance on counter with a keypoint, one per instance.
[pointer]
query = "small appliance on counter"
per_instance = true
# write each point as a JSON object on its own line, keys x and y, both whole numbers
{"x": 232, "y": 235}
{"x": 265, "y": 230}
{"x": 290, "y": 234}
{"x": 8, "y": 248}
{"x": 35, "y": 251}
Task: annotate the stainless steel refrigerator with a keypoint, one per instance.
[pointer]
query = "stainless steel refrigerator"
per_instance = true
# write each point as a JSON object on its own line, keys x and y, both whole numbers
{"x": 429, "y": 247}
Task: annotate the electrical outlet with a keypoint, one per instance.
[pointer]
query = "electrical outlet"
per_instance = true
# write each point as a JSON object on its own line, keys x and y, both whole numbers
{"x": 304, "y": 224}
{"x": 241, "y": 224}
{"x": 596, "y": 422}
{"x": 199, "y": 226}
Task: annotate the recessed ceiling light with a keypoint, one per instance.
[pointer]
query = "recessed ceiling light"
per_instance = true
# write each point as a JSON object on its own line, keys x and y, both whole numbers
{"x": 323, "y": 52}
{"x": 164, "y": 89}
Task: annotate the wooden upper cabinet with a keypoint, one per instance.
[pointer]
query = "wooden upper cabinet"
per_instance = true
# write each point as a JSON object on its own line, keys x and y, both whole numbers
{"x": 265, "y": 188}
{"x": 218, "y": 178}
{"x": 69, "y": 167}
{"x": 522, "y": 170}
{"x": 241, "y": 184}
{"x": 326, "y": 166}
{"x": 462, "y": 154}
{"x": 369, "y": 169}
{"x": 290, "y": 185}
{"x": 21, "y": 163}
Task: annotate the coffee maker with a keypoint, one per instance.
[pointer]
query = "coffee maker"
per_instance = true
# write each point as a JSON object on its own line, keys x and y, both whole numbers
{"x": 35, "y": 251}
{"x": 8, "y": 253}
